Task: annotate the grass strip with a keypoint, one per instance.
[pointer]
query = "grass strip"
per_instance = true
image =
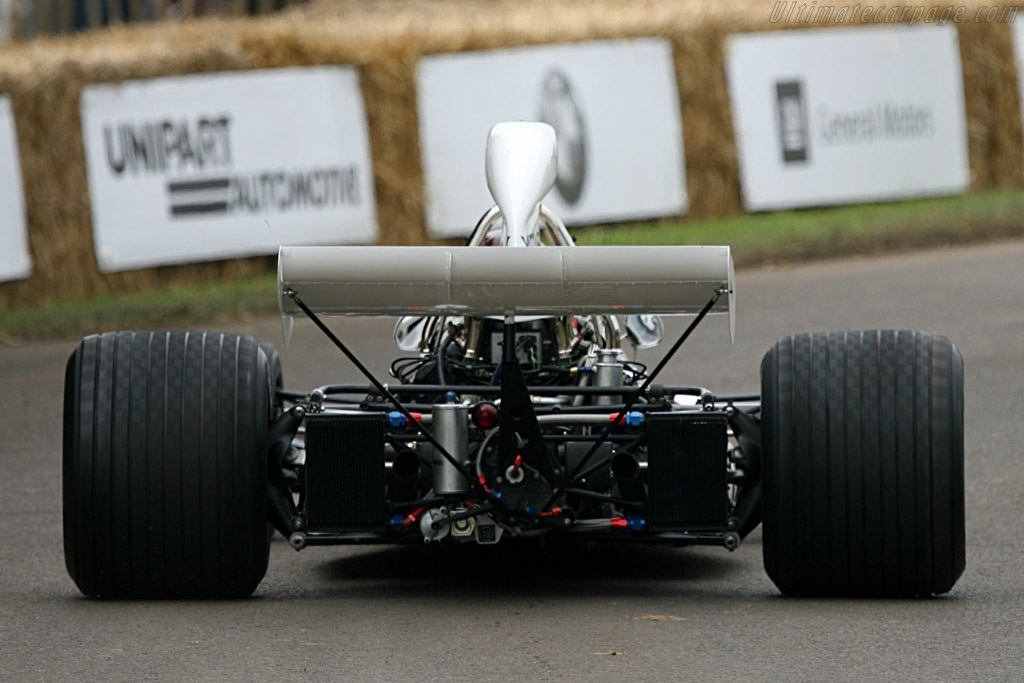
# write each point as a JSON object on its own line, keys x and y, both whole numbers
{"x": 180, "y": 307}
{"x": 786, "y": 236}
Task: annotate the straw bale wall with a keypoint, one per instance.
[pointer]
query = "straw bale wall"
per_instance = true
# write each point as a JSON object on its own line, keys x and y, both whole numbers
{"x": 385, "y": 38}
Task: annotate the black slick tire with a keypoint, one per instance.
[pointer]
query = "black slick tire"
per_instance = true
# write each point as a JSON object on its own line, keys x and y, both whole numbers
{"x": 165, "y": 467}
{"x": 863, "y": 464}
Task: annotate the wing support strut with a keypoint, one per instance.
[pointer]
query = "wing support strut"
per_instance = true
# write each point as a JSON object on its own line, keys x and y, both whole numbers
{"x": 463, "y": 470}
{"x": 582, "y": 471}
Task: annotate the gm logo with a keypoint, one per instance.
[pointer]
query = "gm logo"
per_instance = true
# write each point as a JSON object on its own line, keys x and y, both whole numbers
{"x": 794, "y": 136}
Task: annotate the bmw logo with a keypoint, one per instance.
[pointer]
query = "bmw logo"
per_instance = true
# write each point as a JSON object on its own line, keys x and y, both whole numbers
{"x": 560, "y": 110}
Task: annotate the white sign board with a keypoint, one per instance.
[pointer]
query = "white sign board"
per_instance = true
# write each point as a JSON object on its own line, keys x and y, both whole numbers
{"x": 1017, "y": 29}
{"x": 832, "y": 116}
{"x": 15, "y": 262}
{"x": 613, "y": 104}
{"x": 196, "y": 168}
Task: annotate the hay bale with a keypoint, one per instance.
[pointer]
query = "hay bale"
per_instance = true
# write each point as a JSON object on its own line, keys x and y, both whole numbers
{"x": 992, "y": 101}
{"x": 712, "y": 166}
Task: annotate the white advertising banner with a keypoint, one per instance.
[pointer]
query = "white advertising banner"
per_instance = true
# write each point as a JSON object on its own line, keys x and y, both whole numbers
{"x": 197, "y": 168}
{"x": 1017, "y": 31}
{"x": 833, "y": 116}
{"x": 614, "y": 106}
{"x": 15, "y": 262}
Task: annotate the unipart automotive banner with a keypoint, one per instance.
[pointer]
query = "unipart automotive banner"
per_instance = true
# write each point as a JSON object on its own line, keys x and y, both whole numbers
{"x": 836, "y": 116}
{"x": 614, "y": 106}
{"x": 197, "y": 168}
{"x": 15, "y": 263}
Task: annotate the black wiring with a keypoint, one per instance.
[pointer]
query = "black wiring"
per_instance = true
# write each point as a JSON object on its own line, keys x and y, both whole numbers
{"x": 405, "y": 369}
{"x": 636, "y": 370}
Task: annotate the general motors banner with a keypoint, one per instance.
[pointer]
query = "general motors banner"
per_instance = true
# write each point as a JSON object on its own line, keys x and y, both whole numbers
{"x": 833, "y": 116}
{"x": 1017, "y": 31}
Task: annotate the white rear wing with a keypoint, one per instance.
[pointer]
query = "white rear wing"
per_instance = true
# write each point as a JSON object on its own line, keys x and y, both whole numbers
{"x": 395, "y": 281}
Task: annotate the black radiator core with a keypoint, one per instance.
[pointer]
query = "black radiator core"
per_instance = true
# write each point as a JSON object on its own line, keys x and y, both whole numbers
{"x": 686, "y": 472}
{"x": 345, "y": 473}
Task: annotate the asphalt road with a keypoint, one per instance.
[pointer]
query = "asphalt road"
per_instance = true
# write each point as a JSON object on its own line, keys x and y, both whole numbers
{"x": 560, "y": 614}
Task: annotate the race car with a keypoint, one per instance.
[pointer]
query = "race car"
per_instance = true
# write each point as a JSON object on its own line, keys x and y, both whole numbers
{"x": 517, "y": 412}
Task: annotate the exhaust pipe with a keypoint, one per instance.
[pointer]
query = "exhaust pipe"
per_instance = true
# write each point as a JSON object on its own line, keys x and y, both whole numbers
{"x": 626, "y": 470}
{"x": 405, "y": 472}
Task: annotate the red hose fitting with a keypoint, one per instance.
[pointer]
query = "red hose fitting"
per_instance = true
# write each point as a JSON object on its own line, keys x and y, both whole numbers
{"x": 413, "y": 517}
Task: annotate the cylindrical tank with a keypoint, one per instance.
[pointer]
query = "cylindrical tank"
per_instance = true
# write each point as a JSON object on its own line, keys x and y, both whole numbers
{"x": 451, "y": 429}
{"x": 609, "y": 374}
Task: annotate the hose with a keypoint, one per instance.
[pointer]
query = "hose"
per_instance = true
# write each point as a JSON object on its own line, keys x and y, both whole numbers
{"x": 442, "y": 348}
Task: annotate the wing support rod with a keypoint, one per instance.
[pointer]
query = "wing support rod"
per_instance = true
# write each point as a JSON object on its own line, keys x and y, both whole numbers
{"x": 580, "y": 472}
{"x": 463, "y": 470}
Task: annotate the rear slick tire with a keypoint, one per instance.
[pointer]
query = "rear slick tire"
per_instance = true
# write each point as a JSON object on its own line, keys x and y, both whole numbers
{"x": 863, "y": 464}
{"x": 165, "y": 466}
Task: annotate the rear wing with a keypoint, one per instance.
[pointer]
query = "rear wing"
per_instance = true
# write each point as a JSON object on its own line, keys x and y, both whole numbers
{"x": 396, "y": 281}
